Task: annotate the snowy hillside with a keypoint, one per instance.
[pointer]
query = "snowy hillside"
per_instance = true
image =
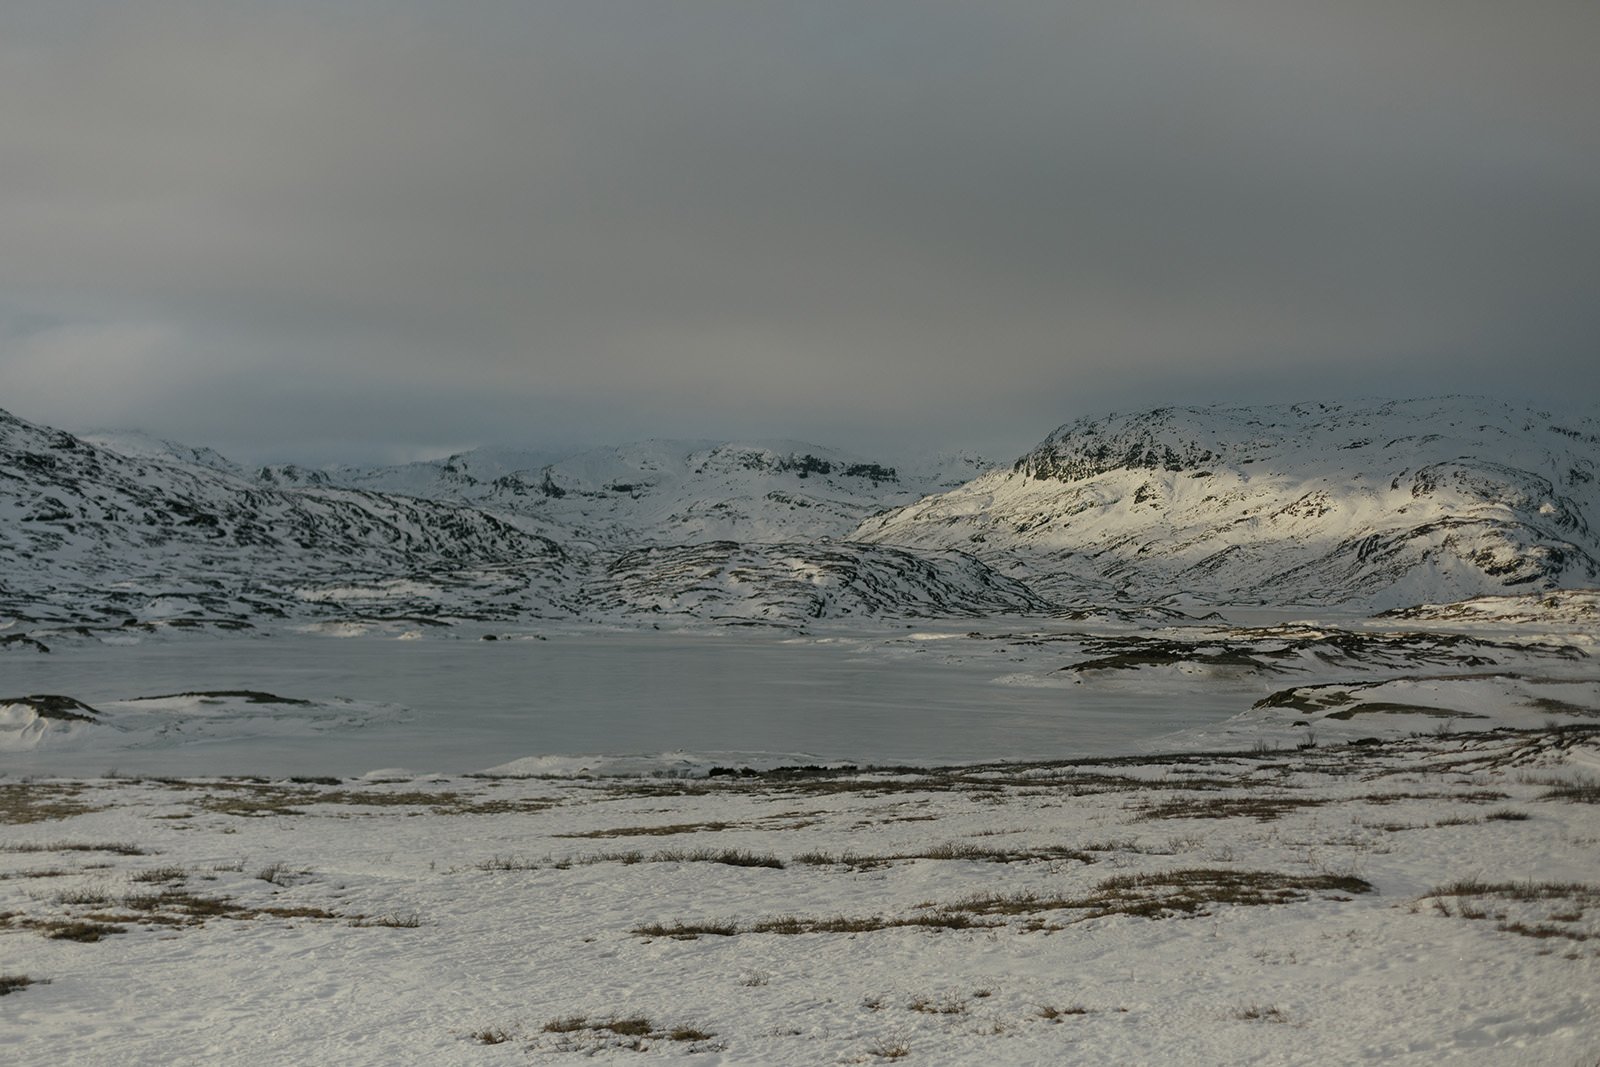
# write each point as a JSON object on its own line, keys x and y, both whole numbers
{"x": 1373, "y": 507}
{"x": 1578, "y": 607}
{"x": 140, "y": 532}
{"x": 1385, "y": 505}
{"x": 782, "y": 582}
{"x": 665, "y": 491}
{"x": 136, "y": 444}
{"x": 92, "y": 535}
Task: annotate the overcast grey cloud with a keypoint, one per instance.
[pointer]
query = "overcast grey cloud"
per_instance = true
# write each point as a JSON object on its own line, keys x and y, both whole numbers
{"x": 367, "y": 230}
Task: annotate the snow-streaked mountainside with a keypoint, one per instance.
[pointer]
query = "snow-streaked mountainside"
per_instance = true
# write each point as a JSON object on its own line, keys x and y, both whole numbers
{"x": 667, "y": 491}
{"x": 136, "y": 530}
{"x": 1374, "y": 507}
{"x": 89, "y": 534}
{"x": 1385, "y": 505}
{"x": 136, "y": 444}
{"x": 759, "y": 582}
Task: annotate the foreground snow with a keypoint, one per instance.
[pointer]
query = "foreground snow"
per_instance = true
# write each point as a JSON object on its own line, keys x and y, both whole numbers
{"x": 1422, "y": 900}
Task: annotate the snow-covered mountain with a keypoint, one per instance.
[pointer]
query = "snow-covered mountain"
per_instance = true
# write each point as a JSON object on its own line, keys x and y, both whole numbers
{"x": 1385, "y": 504}
{"x": 92, "y": 534}
{"x": 136, "y": 444}
{"x": 667, "y": 491}
{"x": 125, "y": 529}
{"x": 1374, "y": 507}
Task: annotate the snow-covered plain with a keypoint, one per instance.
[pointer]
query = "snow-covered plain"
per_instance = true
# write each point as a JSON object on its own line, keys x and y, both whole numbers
{"x": 1420, "y": 901}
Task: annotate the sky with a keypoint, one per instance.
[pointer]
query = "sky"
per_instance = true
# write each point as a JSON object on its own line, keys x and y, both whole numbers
{"x": 369, "y": 232}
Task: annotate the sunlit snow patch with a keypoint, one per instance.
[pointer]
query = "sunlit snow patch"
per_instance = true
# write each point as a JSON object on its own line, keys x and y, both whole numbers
{"x": 30, "y": 721}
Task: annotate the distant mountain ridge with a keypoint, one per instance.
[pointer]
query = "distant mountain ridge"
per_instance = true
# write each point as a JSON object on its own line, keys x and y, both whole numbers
{"x": 1372, "y": 506}
{"x": 1393, "y": 503}
{"x": 667, "y": 491}
{"x": 126, "y": 529}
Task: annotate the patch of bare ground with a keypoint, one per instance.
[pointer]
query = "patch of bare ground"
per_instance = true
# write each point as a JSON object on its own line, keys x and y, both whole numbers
{"x": 1544, "y": 909}
{"x": 1069, "y": 777}
{"x": 1261, "y": 1013}
{"x": 394, "y": 920}
{"x": 730, "y": 857}
{"x": 1164, "y": 894}
{"x": 11, "y": 983}
{"x": 1587, "y": 792}
{"x": 947, "y": 851}
{"x": 1053, "y": 1014}
{"x": 657, "y": 831}
{"x": 1260, "y": 808}
{"x": 30, "y": 802}
{"x": 67, "y": 929}
{"x": 786, "y": 820}
{"x": 636, "y": 1032}
{"x": 1507, "y": 748}
{"x": 93, "y": 914}
{"x": 119, "y": 848}
{"x": 250, "y": 799}
{"x": 1156, "y": 895}
{"x": 39, "y": 872}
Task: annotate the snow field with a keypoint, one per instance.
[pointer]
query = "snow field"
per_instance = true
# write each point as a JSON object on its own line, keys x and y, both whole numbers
{"x": 1278, "y": 914}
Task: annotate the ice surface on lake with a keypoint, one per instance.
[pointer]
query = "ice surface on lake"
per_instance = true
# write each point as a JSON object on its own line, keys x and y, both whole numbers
{"x": 444, "y": 704}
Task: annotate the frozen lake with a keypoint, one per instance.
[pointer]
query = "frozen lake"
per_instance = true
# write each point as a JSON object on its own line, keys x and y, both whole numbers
{"x": 464, "y": 705}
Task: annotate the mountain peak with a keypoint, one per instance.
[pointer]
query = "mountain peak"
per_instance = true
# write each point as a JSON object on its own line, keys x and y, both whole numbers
{"x": 1388, "y": 502}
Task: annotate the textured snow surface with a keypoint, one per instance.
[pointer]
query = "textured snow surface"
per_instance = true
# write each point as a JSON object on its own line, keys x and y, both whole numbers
{"x": 1418, "y": 902}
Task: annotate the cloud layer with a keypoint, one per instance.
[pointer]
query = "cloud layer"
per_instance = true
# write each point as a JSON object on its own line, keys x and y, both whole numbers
{"x": 363, "y": 230}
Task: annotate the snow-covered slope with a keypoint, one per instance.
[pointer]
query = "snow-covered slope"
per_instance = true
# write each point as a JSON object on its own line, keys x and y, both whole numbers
{"x": 1371, "y": 507}
{"x": 724, "y": 580}
{"x": 141, "y": 532}
{"x": 1578, "y": 607}
{"x": 1390, "y": 504}
{"x": 91, "y": 534}
{"x": 136, "y": 444}
{"x": 667, "y": 491}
